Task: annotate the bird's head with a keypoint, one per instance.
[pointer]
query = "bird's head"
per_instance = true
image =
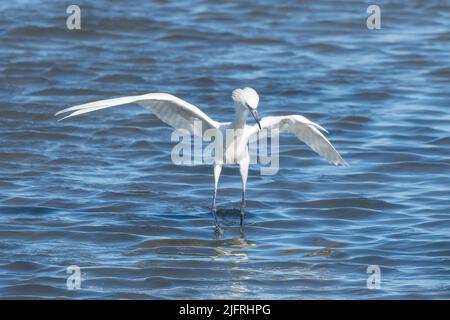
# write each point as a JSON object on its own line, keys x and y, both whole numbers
{"x": 247, "y": 99}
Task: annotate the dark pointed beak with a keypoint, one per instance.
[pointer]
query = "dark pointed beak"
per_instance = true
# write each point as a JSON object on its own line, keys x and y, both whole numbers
{"x": 255, "y": 115}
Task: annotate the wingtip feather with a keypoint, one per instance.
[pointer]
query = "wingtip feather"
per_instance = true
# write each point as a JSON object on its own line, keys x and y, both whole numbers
{"x": 70, "y": 115}
{"x": 341, "y": 163}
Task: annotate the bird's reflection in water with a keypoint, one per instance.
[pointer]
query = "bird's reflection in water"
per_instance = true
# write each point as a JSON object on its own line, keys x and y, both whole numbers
{"x": 229, "y": 254}
{"x": 232, "y": 249}
{"x": 235, "y": 252}
{"x": 230, "y": 219}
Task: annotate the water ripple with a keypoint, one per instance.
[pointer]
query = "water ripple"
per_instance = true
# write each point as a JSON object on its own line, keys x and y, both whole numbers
{"x": 101, "y": 192}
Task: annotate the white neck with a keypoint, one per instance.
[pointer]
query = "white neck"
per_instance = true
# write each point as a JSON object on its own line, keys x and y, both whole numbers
{"x": 240, "y": 117}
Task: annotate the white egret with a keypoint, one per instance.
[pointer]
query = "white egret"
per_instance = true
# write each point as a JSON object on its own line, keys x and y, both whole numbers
{"x": 182, "y": 115}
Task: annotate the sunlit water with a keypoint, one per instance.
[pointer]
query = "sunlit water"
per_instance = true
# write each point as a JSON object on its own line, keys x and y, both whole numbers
{"x": 100, "y": 191}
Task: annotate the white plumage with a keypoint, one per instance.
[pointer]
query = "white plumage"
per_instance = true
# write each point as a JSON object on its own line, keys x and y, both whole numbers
{"x": 180, "y": 114}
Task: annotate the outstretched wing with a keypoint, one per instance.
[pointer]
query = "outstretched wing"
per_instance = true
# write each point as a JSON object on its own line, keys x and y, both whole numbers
{"x": 306, "y": 131}
{"x": 173, "y": 111}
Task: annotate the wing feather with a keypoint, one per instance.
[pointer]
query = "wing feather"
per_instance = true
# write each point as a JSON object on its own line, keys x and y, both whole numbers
{"x": 170, "y": 109}
{"x": 306, "y": 131}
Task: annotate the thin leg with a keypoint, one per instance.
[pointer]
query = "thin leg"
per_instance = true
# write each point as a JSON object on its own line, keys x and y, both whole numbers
{"x": 244, "y": 173}
{"x": 217, "y": 171}
{"x": 243, "y": 206}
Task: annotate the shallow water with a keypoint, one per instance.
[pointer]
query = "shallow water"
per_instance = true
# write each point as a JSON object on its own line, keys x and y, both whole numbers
{"x": 100, "y": 191}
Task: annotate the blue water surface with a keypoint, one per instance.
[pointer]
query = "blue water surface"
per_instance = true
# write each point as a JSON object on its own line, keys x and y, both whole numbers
{"x": 101, "y": 192}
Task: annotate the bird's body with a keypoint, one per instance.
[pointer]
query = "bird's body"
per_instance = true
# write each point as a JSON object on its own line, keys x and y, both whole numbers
{"x": 234, "y": 135}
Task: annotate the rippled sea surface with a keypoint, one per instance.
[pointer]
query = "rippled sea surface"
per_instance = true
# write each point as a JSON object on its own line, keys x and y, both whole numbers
{"x": 101, "y": 192}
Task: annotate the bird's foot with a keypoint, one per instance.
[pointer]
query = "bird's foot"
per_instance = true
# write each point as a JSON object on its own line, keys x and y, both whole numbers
{"x": 242, "y": 213}
{"x": 218, "y": 231}
{"x": 241, "y": 232}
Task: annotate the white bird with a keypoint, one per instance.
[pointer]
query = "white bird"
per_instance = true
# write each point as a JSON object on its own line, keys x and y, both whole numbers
{"x": 180, "y": 114}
